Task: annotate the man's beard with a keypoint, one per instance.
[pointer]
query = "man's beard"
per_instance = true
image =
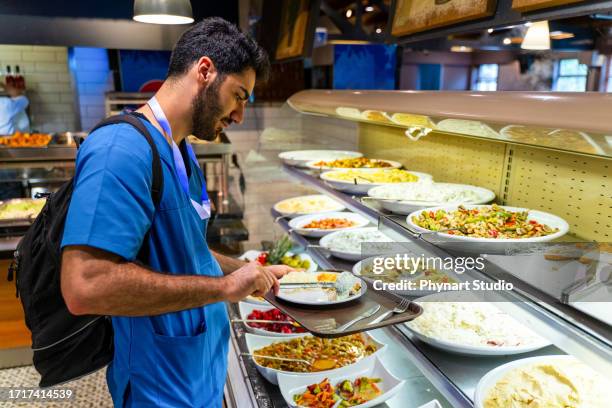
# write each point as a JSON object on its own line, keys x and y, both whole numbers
{"x": 207, "y": 112}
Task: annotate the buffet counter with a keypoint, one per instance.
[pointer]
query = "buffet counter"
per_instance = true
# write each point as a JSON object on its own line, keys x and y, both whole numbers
{"x": 554, "y": 284}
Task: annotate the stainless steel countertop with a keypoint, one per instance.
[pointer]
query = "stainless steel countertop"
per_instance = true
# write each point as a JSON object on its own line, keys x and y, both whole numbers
{"x": 64, "y": 153}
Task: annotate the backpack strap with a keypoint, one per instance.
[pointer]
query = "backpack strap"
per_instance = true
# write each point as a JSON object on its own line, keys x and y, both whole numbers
{"x": 158, "y": 177}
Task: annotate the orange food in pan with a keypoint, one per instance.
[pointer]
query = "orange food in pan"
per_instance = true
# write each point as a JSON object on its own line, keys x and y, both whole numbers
{"x": 19, "y": 139}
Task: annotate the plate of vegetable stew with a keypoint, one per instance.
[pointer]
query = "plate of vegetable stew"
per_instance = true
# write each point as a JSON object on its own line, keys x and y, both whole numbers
{"x": 346, "y": 351}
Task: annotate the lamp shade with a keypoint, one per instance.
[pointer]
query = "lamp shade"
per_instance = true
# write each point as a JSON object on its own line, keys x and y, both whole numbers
{"x": 537, "y": 37}
{"x": 163, "y": 11}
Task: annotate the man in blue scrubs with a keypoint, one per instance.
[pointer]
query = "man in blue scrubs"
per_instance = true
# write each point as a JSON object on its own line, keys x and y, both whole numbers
{"x": 170, "y": 322}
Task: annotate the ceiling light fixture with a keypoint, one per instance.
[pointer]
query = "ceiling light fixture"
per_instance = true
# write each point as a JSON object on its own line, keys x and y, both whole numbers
{"x": 507, "y": 41}
{"x": 349, "y": 13}
{"x": 369, "y": 9}
{"x": 378, "y": 30}
{"x": 163, "y": 11}
{"x": 490, "y": 30}
{"x": 537, "y": 37}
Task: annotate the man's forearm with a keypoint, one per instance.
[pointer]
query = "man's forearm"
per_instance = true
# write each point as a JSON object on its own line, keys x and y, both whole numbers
{"x": 127, "y": 289}
{"x": 228, "y": 264}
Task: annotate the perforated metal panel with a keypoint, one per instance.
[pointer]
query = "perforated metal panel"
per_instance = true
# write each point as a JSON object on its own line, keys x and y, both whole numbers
{"x": 577, "y": 188}
{"x": 448, "y": 158}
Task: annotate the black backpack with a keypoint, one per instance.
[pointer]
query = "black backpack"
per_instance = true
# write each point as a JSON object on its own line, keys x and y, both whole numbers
{"x": 65, "y": 346}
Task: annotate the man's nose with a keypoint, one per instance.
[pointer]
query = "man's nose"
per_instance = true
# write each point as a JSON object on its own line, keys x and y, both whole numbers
{"x": 238, "y": 114}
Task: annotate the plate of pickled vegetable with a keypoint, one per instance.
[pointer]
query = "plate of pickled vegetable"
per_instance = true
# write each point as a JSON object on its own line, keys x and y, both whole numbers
{"x": 364, "y": 384}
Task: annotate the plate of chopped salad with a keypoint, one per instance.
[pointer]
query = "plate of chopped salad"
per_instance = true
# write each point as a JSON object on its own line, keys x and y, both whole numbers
{"x": 486, "y": 228}
{"x": 364, "y": 384}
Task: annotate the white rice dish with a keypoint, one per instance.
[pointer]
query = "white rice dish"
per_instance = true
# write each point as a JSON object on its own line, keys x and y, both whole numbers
{"x": 473, "y": 324}
{"x": 430, "y": 192}
{"x": 350, "y": 241}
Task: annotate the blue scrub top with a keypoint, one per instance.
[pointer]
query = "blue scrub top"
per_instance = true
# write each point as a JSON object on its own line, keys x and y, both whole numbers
{"x": 172, "y": 360}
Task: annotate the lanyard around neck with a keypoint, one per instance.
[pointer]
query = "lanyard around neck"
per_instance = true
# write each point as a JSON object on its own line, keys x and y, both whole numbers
{"x": 203, "y": 208}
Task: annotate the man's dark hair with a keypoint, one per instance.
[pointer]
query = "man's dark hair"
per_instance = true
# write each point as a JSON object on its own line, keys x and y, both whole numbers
{"x": 231, "y": 50}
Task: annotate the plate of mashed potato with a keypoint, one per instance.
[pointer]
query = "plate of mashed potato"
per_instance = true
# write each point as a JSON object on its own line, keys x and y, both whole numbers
{"x": 545, "y": 381}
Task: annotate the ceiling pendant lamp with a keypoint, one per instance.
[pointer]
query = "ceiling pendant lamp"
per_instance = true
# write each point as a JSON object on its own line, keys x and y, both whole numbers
{"x": 537, "y": 37}
{"x": 163, "y": 11}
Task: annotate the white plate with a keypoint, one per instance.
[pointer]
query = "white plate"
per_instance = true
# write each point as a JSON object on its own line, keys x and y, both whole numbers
{"x": 490, "y": 245}
{"x": 252, "y": 254}
{"x": 301, "y": 157}
{"x": 331, "y": 205}
{"x": 492, "y": 377}
{"x": 357, "y": 271}
{"x": 245, "y": 309}
{"x": 298, "y": 223}
{"x": 315, "y": 296}
{"x": 468, "y": 349}
{"x": 291, "y": 384}
{"x": 362, "y": 186}
{"x": 407, "y": 206}
{"x": 313, "y": 165}
{"x": 255, "y": 342}
{"x": 342, "y": 254}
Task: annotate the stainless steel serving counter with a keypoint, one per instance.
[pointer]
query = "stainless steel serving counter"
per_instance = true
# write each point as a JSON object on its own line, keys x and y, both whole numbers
{"x": 454, "y": 376}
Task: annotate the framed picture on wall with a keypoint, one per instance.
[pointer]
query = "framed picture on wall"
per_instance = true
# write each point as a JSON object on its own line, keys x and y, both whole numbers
{"x": 412, "y": 16}
{"x": 528, "y": 5}
{"x": 296, "y": 29}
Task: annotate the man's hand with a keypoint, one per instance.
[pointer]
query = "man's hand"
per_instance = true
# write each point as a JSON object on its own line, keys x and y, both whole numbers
{"x": 279, "y": 270}
{"x": 252, "y": 279}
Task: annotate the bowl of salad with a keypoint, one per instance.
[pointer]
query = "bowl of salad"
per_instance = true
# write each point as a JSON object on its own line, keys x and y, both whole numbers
{"x": 281, "y": 254}
{"x": 364, "y": 384}
{"x": 485, "y": 228}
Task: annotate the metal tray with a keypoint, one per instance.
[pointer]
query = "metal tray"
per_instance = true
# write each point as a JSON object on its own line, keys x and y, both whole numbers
{"x": 15, "y": 222}
{"x": 312, "y": 317}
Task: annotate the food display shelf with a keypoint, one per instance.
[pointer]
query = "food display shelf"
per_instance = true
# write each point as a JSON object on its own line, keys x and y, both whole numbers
{"x": 475, "y": 115}
{"x": 261, "y": 393}
{"x": 455, "y": 376}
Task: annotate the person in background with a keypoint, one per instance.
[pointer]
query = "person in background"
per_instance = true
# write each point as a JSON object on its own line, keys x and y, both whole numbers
{"x": 13, "y": 116}
{"x": 171, "y": 328}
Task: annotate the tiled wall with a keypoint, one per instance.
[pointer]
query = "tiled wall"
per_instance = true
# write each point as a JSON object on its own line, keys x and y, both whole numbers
{"x": 268, "y": 130}
{"x": 48, "y": 82}
{"x": 93, "y": 78}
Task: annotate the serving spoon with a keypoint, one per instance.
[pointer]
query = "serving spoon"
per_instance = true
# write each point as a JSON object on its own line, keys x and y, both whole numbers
{"x": 322, "y": 364}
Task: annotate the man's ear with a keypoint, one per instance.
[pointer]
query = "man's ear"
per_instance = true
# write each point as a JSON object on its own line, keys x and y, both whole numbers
{"x": 206, "y": 71}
